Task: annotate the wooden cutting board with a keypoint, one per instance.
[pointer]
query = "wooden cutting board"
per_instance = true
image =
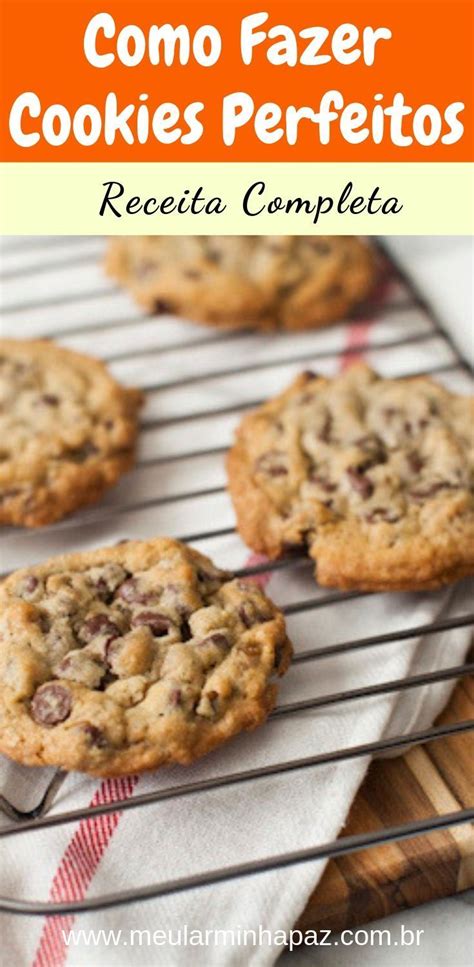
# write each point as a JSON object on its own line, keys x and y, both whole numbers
{"x": 432, "y": 779}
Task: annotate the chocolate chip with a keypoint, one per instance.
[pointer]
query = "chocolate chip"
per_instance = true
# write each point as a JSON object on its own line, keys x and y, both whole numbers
{"x": 322, "y": 248}
{"x": 161, "y": 307}
{"x": 323, "y": 482}
{"x": 146, "y": 268}
{"x": 309, "y": 374}
{"x": 158, "y": 624}
{"x": 175, "y": 592}
{"x": 185, "y": 631}
{"x": 276, "y": 471}
{"x": 49, "y": 399}
{"x": 324, "y": 434}
{"x": 382, "y": 513}
{"x": 81, "y": 454}
{"x": 113, "y": 647}
{"x": 372, "y": 461}
{"x": 63, "y": 667}
{"x": 44, "y": 622}
{"x": 246, "y": 615}
{"x": 103, "y": 591}
{"x": 360, "y": 483}
{"x": 422, "y": 493}
{"x": 175, "y": 697}
{"x": 51, "y": 704}
{"x": 250, "y": 615}
{"x": 368, "y": 442}
{"x": 99, "y": 624}
{"x": 9, "y": 493}
{"x": 130, "y": 592}
{"x": 305, "y": 398}
{"x": 375, "y": 450}
{"x": 413, "y": 426}
{"x": 214, "y": 256}
{"x": 28, "y": 585}
{"x": 95, "y": 736}
{"x": 218, "y": 639}
{"x": 272, "y": 464}
{"x": 415, "y": 462}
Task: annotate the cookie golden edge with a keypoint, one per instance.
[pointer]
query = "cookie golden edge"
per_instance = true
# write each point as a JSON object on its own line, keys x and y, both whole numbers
{"x": 26, "y": 742}
{"x": 304, "y": 313}
{"x": 344, "y": 556}
{"x": 75, "y": 486}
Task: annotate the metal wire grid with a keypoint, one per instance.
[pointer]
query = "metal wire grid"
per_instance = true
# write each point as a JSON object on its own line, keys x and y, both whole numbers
{"x": 22, "y": 821}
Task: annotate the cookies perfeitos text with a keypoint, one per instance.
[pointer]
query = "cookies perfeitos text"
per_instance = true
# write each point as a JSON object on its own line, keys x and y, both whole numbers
{"x": 131, "y": 114}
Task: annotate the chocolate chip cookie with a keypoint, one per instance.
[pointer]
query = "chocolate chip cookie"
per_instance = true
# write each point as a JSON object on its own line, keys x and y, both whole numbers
{"x": 269, "y": 282}
{"x": 374, "y": 476}
{"x": 129, "y": 658}
{"x": 67, "y": 431}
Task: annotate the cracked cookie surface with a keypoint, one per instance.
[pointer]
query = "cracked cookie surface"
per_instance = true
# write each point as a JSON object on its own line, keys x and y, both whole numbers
{"x": 67, "y": 431}
{"x": 269, "y": 282}
{"x": 374, "y": 476}
{"x": 132, "y": 657}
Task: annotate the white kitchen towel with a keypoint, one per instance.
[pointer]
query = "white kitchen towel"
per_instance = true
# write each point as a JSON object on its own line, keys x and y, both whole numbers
{"x": 442, "y": 269}
{"x": 196, "y": 380}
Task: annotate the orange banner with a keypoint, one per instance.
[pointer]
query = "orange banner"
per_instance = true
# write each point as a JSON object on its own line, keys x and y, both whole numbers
{"x": 207, "y": 81}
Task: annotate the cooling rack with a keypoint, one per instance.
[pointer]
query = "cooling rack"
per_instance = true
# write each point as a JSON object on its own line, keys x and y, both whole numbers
{"x": 53, "y": 287}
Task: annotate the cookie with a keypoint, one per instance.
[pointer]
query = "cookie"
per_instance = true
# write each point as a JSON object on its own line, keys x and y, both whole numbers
{"x": 374, "y": 476}
{"x": 269, "y": 282}
{"x": 67, "y": 431}
{"x": 132, "y": 657}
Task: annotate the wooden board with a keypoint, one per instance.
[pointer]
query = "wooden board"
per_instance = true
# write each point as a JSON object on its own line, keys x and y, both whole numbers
{"x": 432, "y": 779}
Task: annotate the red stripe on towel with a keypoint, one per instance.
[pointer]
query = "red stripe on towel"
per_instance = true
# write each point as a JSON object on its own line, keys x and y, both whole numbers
{"x": 260, "y": 579}
{"x": 77, "y": 868}
{"x": 357, "y": 335}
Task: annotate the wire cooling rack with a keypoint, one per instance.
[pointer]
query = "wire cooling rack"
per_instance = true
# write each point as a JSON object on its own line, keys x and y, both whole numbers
{"x": 53, "y": 287}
